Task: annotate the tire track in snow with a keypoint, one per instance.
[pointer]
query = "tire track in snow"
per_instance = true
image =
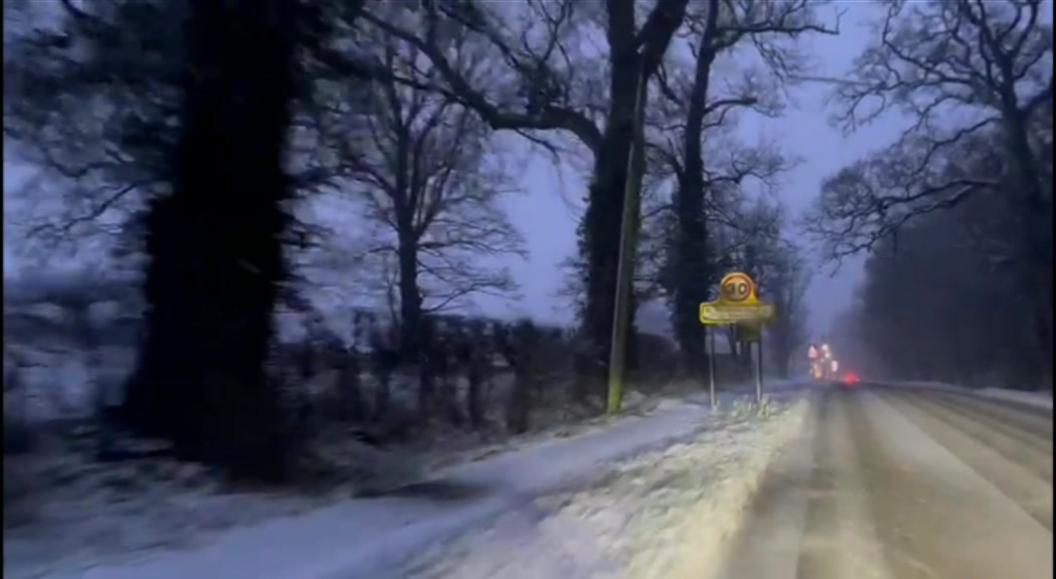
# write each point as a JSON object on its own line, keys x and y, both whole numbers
{"x": 1012, "y": 446}
{"x": 1016, "y": 480}
{"x": 936, "y": 516}
{"x": 1026, "y": 426}
{"x": 888, "y": 497}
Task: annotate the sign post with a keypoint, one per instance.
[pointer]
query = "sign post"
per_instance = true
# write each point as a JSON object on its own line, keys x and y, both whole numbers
{"x": 738, "y": 305}
{"x": 711, "y": 363}
{"x": 759, "y": 371}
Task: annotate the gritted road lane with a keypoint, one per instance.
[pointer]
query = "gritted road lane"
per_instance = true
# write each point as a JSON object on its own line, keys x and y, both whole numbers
{"x": 904, "y": 483}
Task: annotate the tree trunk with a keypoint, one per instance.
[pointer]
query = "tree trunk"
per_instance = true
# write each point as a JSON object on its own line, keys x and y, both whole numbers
{"x": 350, "y": 391}
{"x": 693, "y": 272}
{"x": 522, "y": 357}
{"x": 426, "y": 391}
{"x": 215, "y": 248}
{"x": 386, "y": 358}
{"x": 519, "y": 403}
{"x": 475, "y": 396}
{"x": 1037, "y": 242}
{"x": 447, "y": 384}
{"x": 410, "y": 297}
{"x": 381, "y": 395}
{"x": 632, "y": 54}
{"x": 425, "y": 359}
{"x": 600, "y": 228}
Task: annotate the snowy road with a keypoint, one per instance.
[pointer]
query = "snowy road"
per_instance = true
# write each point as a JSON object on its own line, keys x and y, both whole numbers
{"x": 893, "y": 482}
{"x": 904, "y": 483}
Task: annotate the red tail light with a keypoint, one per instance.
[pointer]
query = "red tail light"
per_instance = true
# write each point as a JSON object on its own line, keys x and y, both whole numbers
{"x": 850, "y": 378}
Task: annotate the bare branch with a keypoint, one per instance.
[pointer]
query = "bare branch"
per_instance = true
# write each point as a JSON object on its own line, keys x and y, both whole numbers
{"x": 549, "y": 117}
{"x": 960, "y": 69}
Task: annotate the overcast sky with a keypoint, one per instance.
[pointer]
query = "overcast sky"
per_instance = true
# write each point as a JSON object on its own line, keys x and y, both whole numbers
{"x": 548, "y": 209}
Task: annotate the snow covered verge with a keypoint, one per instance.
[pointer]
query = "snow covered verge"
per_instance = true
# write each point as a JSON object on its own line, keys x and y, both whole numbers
{"x": 177, "y": 521}
{"x": 664, "y": 514}
{"x": 65, "y": 512}
{"x": 1041, "y": 400}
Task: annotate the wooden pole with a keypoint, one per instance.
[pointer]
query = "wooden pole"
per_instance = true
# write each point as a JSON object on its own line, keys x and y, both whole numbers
{"x": 625, "y": 270}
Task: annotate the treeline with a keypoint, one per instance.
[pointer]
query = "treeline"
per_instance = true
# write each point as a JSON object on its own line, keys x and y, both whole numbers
{"x": 234, "y": 152}
{"x": 943, "y": 299}
{"x": 958, "y": 212}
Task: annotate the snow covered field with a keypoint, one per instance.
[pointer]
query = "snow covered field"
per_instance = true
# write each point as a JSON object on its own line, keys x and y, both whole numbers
{"x": 183, "y": 528}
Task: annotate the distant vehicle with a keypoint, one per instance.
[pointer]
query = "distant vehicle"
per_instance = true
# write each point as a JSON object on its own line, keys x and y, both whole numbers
{"x": 849, "y": 379}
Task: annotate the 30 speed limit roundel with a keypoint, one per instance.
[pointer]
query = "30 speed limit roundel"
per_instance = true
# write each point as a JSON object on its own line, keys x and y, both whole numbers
{"x": 736, "y": 287}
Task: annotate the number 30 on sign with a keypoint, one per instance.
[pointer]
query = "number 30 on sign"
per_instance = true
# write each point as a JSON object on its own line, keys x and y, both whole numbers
{"x": 737, "y": 288}
{"x": 737, "y": 303}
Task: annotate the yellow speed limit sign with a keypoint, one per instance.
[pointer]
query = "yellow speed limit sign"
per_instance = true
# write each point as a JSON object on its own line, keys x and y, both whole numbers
{"x": 737, "y": 303}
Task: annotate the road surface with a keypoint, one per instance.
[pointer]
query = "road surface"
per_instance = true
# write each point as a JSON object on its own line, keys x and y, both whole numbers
{"x": 904, "y": 483}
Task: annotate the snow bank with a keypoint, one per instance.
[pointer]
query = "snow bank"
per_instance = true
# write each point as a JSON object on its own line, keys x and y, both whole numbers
{"x": 118, "y": 534}
{"x": 663, "y": 514}
{"x": 92, "y": 533}
{"x": 1041, "y": 400}
{"x": 65, "y": 512}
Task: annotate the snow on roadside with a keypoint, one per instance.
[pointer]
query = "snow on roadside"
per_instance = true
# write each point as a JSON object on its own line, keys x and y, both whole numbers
{"x": 1040, "y": 400}
{"x": 1035, "y": 399}
{"x": 663, "y": 514}
{"x": 72, "y": 513}
{"x": 126, "y": 532}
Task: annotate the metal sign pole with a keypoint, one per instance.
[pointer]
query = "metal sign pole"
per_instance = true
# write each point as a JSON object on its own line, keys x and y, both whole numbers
{"x": 711, "y": 363}
{"x": 759, "y": 370}
{"x": 738, "y": 304}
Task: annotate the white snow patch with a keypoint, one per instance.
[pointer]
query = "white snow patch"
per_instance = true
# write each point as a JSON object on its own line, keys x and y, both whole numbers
{"x": 354, "y": 537}
{"x": 65, "y": 512}
{"x": 1035, "y": 399}
{"x": 664, "y": 514}
{"x": 1041, "y": 400}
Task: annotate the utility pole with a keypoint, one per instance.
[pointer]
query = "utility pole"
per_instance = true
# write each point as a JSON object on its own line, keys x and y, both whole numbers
{"x": 625, "y": 269}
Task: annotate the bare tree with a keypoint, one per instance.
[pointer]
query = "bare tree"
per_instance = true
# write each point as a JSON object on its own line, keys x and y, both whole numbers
{"x": 957, "y": 69}
{"x": 431, "y": 181}
{"x": 698, "y": 112}
{"x": 92, "y": 107}
{"x": 188, "y": 123}
{"x": 920, "y": 282}
{"x": 548, "y": 89}
{"x": 89, "y": 103}
{"x": 926, "y": 309}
